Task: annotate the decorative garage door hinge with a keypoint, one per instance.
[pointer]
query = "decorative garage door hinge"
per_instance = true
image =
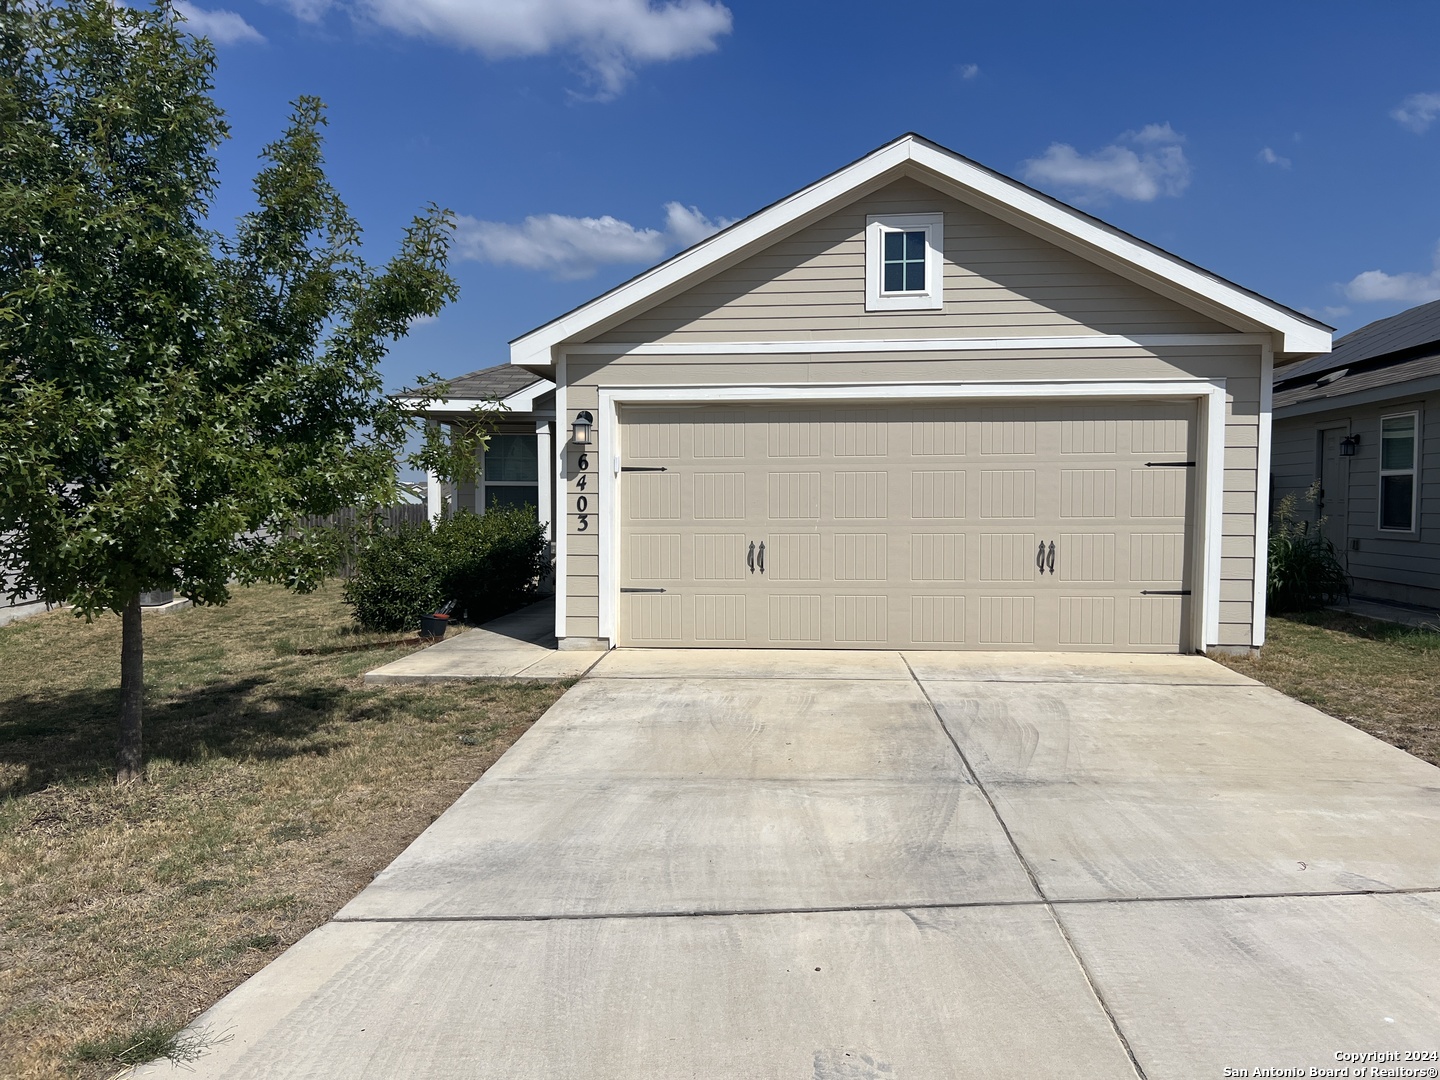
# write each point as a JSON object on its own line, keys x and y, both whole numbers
{"x": 1164, "y": 592}
{"x": 643, "y": 468}
{"x": 623, "y": 589}
{"x": 1169, "y": 464}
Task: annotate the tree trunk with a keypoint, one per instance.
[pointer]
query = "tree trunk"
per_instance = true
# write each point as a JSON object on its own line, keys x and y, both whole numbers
{"x": 129, "y": 752}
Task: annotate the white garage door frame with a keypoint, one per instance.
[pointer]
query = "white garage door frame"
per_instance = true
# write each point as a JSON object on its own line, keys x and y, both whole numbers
{"x": 1208, "y": 394}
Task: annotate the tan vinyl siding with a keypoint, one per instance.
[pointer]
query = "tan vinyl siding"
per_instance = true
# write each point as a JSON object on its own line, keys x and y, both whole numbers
{"x": 1239, "y": 365}
{"x": 582, "y": 550}
{"x": 999, "y": 282}
{"x": 1400, "y": 566}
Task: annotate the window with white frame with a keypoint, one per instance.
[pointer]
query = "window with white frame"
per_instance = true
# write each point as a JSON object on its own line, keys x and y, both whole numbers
{"x": 904, "y": 262}
{"x": 1398, "y": 457}
{"x": 511, "y": 471}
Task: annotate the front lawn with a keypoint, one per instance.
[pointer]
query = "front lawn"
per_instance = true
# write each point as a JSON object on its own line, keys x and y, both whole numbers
{"x": 1380, "y": 677}
{"x": 279, "y": 785}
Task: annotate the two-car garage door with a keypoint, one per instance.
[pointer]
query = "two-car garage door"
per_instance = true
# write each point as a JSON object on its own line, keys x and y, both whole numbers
{"x": 917, "y": 526}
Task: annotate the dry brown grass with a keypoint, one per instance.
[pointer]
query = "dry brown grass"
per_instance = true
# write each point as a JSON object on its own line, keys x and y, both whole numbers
{"x": 279, "y": 785}
{"x": 1380, "y": 677}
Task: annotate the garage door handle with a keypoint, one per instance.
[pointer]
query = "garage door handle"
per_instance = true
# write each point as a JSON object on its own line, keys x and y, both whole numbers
{"x": 750, "y": 558}
{"x": 1050, "y": 558}
{"x": 762, "y": 556}
{"x": 1040, "y": 558}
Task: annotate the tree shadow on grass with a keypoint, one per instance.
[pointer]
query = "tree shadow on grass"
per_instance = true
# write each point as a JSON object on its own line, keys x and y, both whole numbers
{"x": 1367, "y": 629}
{"x": 69, "y": 736}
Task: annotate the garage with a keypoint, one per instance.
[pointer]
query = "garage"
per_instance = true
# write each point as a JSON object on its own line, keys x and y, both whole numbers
{"x": 915, "y": 405}
{"x": 1008, "y": 525}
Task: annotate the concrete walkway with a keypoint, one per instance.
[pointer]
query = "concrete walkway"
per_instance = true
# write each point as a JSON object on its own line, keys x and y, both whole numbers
{"x": 877, "y": 865}
{"x": 520, "y": 645}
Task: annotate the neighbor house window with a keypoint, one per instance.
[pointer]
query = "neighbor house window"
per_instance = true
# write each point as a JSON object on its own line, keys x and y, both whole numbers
{"x": 904, "y": 262}
{"x": 511, "y": 470}
{"x": 1397, "y": 471}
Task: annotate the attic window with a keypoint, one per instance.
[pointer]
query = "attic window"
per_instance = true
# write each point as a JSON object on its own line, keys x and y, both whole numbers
{"x": 904, "y": 267}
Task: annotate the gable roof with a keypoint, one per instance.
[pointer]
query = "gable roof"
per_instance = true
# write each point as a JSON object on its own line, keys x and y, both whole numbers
{"x": 1389, "y": 352}
{"x": 1416, "y": 328}
{"x": 514, "y": 388}
{"x": 497, "y": 382}
{"x": 973, "y": 183}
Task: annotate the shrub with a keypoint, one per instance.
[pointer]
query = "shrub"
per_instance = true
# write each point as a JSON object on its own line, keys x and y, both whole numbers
{"x": 398, "y": 577}
{"x": 492, "y": 563}
{"x": 487, "y": 566}
{"x": 1305, "y": 572}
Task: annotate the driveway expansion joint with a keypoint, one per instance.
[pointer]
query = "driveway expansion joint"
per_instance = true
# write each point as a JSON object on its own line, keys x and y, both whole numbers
{"x": 1034, "y": 880}
{"x": 958, "y": 905}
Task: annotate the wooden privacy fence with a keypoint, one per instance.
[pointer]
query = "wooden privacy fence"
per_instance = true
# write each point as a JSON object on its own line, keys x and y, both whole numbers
{"x": 345, "y": 524}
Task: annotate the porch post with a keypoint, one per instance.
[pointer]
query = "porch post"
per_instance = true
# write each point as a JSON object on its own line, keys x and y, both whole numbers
{"x": 544, "y": 463}
{"x": 434, "y": 503}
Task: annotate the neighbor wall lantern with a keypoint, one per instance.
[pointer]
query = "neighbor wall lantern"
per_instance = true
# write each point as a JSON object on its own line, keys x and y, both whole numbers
{"x": 1348, "y": 445}
{"x": 583, "y": 423}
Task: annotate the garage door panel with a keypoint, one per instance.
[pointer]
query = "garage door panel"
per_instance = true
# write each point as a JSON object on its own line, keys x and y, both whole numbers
{"x": 908, "y": 526}
{"x": 794, "y": 618}
{"x": 1007, "y": 493}
{"x": 937, "y": 556}
{"x": 859, "y": 496}
{"x": 1087, "y": 493}
{"x": 718, "y": 556}
{"x": 722, "y": 619}
{"x": 654, "y": 556}
{"x": 1087, "y": 620}
{"x": 936, "y": 494}
{"x": 1007, "y": 620}
{"x": 1087, "y": 556}
{"x": 937, "y": 620}
{"x": 793, "y": 496}
{"x": 1008, "y": 557}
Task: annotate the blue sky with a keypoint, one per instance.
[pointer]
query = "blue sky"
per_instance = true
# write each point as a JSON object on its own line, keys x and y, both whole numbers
{"x": 1294, "y": 148}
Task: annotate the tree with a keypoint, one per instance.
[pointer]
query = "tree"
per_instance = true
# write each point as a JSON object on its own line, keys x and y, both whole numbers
{"x": 173, "y": 401}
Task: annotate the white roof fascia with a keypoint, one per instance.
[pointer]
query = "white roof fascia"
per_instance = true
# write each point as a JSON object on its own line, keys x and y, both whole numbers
{"x": 1294, "y": 335}
{"x": 534, "y": 349}
{"x": 1297, "y": 335}
{"x": 522, "y": 401}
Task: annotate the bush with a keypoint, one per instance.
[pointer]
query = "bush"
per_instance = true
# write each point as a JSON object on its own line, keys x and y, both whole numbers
{"x": 398, "y": 577}
{"x": 487, "y": 566}
{"x": 1305, "y": 572}
{"x": 492, "y": 563}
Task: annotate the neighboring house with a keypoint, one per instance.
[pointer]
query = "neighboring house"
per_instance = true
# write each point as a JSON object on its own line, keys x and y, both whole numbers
{"x": 1364, "y": 422}
{"x": 517, "y": 466}
{"x": 916, "y": 405}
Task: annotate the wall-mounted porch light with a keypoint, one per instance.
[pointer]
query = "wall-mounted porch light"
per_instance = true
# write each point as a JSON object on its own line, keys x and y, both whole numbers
{"x": 1348, "y": 445}
{"x": 584, "y": 422}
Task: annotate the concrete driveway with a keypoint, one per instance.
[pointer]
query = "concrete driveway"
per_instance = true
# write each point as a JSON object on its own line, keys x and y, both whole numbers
{"x": 832, "y": 866}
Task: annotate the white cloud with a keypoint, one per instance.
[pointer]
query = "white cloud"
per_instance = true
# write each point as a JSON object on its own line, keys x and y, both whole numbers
{"x": 1417, "y": 112}
{"x": 220, "y": 26}
{"x": 610, "y": 38}
{"x": 969, "y": 71}
{"x": 1409, "y": 288}
{"x": 1269, "y": 157}
{"x": 1140, "y": 165}
{"x": 568, "y": 248}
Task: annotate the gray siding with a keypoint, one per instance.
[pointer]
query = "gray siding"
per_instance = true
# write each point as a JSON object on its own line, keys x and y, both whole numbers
{"x": 999, "y": 282}
{"x": 1398, "y": 566}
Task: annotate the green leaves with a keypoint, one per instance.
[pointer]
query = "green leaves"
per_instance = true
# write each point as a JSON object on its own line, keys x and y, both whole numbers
{"x": 172, "y": 401}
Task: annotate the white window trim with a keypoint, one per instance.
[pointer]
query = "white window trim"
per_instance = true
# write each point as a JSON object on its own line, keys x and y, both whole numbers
{"x": 933, "y": 298}
{"x": 1413, "y": 472}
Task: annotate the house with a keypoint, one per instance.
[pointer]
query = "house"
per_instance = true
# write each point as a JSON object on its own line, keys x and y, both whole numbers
{"x": 516, "y": 467}
{"x": 1364, "y": 421}
{"x": 919, "y": 405}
